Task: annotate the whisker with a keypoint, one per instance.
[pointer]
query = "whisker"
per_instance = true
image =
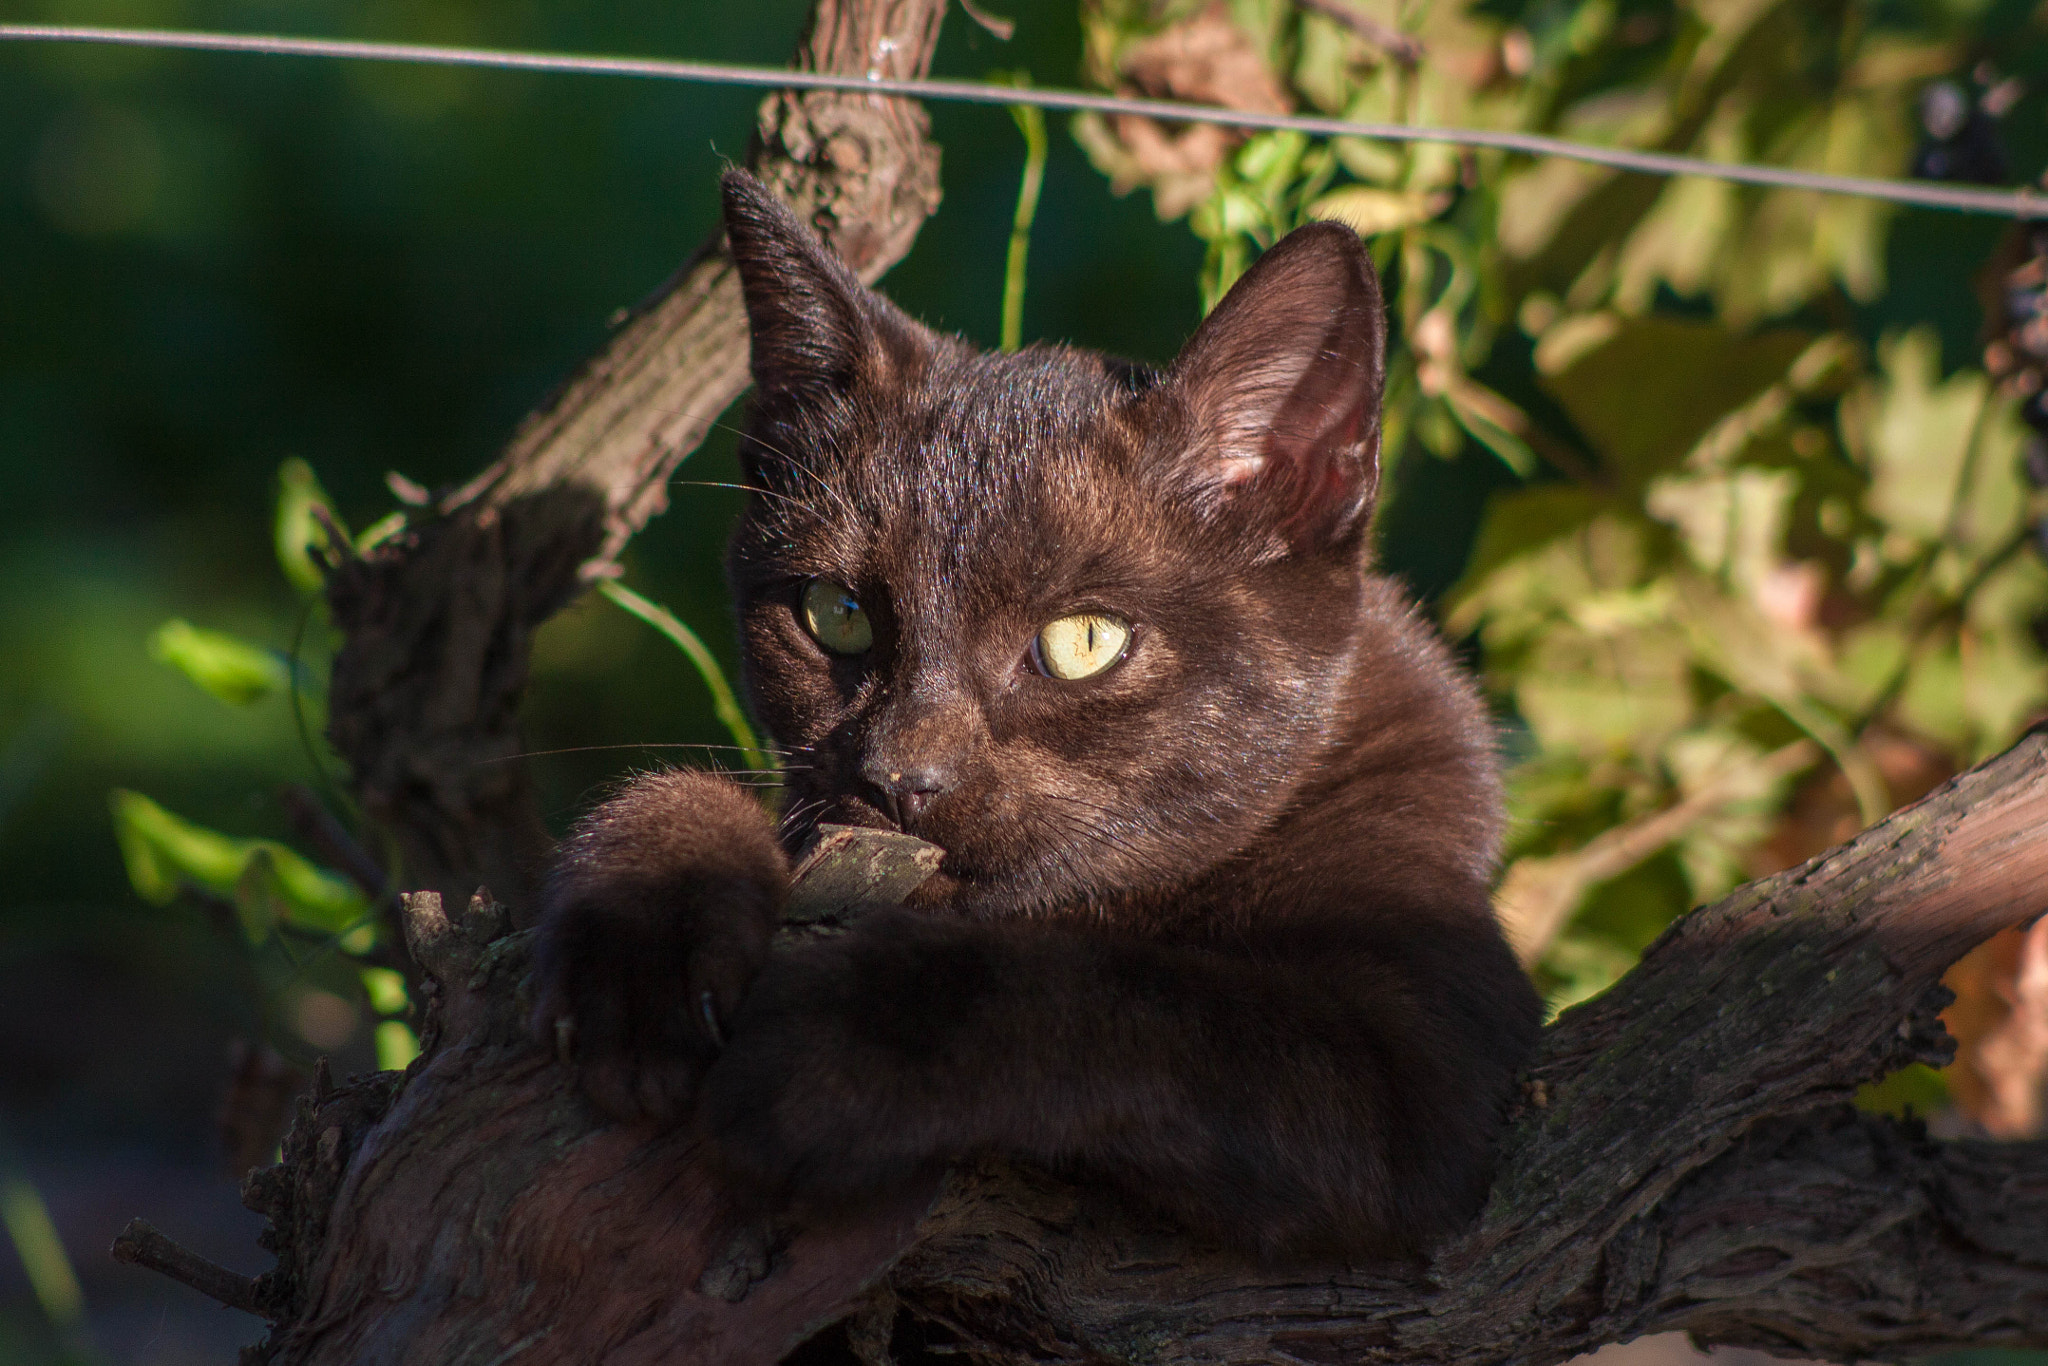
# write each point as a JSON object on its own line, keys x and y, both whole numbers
{"x": 743, "y": 488}
{"x": 644, "y": 744}
{"x": 788, "y": 456}
{"x": 1146, "y": 860}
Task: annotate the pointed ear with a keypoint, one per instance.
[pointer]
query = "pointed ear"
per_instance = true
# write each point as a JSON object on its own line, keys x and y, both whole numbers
{"x": 814, "y": 327}
{"x": 1282, "y": 387}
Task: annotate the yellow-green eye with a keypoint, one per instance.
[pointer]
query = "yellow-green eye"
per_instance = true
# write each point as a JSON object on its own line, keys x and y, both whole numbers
{"x": 1081, "y": 646}
{"x": 833, "y": 616}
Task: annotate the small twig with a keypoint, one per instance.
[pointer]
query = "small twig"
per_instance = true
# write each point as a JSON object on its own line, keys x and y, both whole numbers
{"x": 1003, "y": 29}
{"x": 141, "y": 1244}
{"x": 1403, "y": 48}
{"x": 339, "y": 549}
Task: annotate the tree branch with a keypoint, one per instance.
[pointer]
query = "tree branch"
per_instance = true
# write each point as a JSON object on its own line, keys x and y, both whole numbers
{"x": 1684, "y": 1159}
{"x": 438, "y": 622}
{"x": 142, "y": 1244}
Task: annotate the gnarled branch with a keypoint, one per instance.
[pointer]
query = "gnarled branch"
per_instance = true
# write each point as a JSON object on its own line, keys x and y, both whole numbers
{"x": 1684, "y": 1159}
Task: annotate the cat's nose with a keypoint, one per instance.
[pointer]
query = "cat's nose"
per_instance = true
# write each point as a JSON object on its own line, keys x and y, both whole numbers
{"x": 907, "y": 789}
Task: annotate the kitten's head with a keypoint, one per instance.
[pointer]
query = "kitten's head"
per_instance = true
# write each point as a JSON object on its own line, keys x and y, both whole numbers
{"x": 1085, "y": 626}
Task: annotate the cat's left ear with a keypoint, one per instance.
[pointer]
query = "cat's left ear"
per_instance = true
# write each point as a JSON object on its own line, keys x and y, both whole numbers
{"x": 1280, "y": 388}
{"x": 813, "y": 328}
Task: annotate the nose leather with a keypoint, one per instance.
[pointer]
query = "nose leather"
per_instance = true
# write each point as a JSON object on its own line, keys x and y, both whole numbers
{"x": 915, "y": 753}
{"x": 906, "y": 792}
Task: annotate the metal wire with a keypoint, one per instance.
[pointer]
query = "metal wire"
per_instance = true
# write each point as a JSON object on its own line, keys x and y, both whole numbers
{"x": 2005, "y": 204}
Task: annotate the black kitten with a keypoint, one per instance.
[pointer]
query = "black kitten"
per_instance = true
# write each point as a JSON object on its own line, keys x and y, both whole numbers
{"x": 1219, "y": 811}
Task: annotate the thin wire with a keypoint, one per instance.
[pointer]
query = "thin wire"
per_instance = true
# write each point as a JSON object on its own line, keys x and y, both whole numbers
{"x": 2000, "y": 202}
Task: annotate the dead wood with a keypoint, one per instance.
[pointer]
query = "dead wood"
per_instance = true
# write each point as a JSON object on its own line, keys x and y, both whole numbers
{"x": 143, "y": 1244}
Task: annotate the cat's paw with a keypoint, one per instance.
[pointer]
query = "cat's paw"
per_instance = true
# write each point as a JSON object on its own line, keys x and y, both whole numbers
{"x": 657, "y": 917}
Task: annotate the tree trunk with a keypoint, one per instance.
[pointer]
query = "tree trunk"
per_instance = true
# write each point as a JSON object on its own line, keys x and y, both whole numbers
{"x": 1684, "y": 1157}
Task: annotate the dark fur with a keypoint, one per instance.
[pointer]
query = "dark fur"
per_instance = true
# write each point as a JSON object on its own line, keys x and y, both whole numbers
{"x": 1213, "y": 925}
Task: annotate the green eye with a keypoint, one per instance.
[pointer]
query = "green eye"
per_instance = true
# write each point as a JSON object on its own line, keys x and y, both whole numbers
{"x": 833, "y": 616}
{"x": 1081, "y": 646}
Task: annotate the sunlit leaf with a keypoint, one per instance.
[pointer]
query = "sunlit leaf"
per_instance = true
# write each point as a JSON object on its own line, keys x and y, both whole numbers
{"x": 1732, "y": 524}
{"x": 1515, "y": 524}
{"x": 1931, "y": 702}
{"x": 1915, "y": 432}
{"x": 386, "y": 990}
{"x": 1581, "y": 967}
{"x": 1606, "y": 695}
{"x": 1648, "y": 392}
{"x": 397, "y": 1045}
{"x": 227, "y": 667}
{"x": 299, "y": 530}
{"x": 1369, "y": 211}
{"x": 267, "y": 881}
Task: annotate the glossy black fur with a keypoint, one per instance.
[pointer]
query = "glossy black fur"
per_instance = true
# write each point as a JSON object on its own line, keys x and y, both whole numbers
{"x": 1213, "y": 925}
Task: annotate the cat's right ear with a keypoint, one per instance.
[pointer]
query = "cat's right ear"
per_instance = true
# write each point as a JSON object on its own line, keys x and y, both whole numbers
{"x": 1279, "y": 391}
{"x": 815, "y": 328}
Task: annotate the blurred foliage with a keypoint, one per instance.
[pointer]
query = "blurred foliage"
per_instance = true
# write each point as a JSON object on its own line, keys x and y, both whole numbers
{"x": 1759, "y": 568}
{"x": 294, "y": 916}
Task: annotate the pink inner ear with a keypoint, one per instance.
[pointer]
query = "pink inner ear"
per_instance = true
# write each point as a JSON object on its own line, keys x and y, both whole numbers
{"x": 1327, "y": 480}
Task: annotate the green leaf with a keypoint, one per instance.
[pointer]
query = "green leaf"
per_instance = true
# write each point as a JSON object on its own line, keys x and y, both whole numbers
{"x": 227, "y": 667}
{"x": 1654, "y": 386}
{"x": 1516, "y": 523}
{"x": 259, "y": 898}
{"x": 266, "y": 880}
{"x": 1914, "y": 430}
{"x": 299, "y": 530}
{"x": 1369, "y": 211}
{"x": 397, "y": 1046}
{"x": 386, "y": 990}
{"x": 1915, "y": 1089}
{"x": 1609, "y": 694}
{"x": 1580, "y": 967}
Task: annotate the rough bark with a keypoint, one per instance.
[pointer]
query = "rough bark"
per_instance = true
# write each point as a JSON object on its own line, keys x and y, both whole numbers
{"x": 438, "y": 622}
{"x": 1684, "y": 1159}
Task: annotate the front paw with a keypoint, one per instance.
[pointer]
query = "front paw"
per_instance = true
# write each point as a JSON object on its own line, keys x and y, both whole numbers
{"x": 657, "y": 917}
